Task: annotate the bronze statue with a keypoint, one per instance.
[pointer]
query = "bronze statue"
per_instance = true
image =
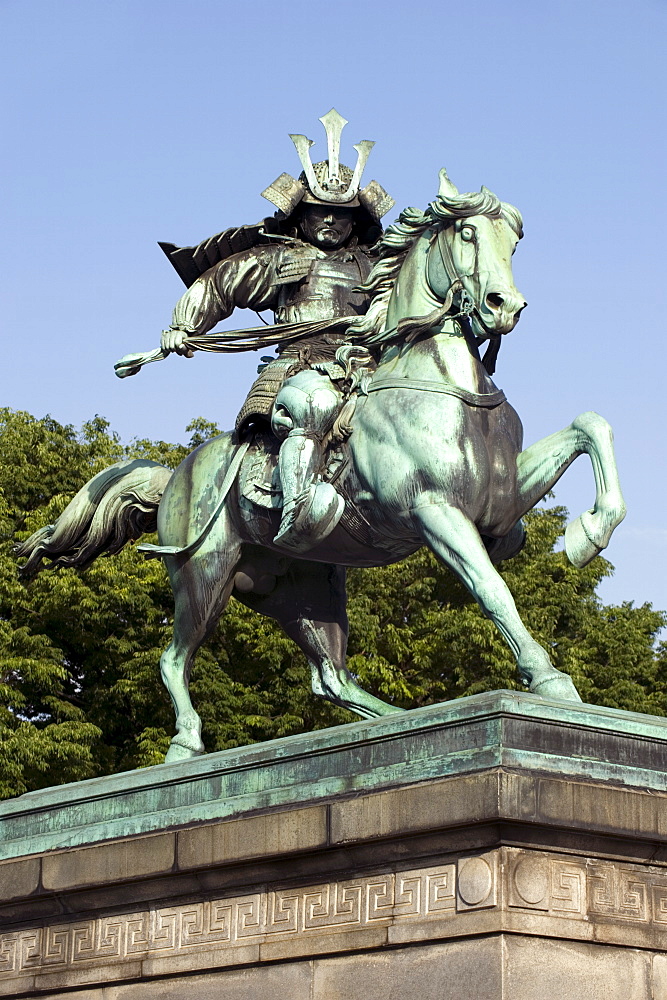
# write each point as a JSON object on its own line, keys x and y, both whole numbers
{"x": 391, "y": 434}
{"x": 316, "y": 258}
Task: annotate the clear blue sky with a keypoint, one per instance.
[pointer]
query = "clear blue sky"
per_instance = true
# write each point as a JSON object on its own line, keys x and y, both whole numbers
{"x": 131, "y": 121}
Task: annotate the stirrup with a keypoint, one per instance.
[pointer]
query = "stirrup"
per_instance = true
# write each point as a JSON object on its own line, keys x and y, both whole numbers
{"x": 310, "y": 519}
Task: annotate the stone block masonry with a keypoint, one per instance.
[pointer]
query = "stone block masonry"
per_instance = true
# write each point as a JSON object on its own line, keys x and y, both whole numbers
{"x": 496, "y": 847}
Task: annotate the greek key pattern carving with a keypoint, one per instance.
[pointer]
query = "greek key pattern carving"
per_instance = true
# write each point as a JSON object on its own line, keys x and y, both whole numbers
{"x": 546, "y": 884}
{"x": 229, "y": 923}
{"x": 578, "y": 889}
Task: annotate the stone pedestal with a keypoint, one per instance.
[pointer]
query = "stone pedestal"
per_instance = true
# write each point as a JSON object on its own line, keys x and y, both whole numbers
{"x": 500, "y": 846}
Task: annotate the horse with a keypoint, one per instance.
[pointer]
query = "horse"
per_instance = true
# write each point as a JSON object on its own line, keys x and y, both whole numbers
{"x": 436, "y": 458}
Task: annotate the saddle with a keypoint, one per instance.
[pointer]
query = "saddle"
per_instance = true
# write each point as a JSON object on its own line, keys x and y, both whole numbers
{"x": 259, "y": 479}
{"x": 350, "y": 369}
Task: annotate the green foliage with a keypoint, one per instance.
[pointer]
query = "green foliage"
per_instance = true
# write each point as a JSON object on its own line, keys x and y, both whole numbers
{"x": 417, "y": 637}
{"x": 80, "y": 693}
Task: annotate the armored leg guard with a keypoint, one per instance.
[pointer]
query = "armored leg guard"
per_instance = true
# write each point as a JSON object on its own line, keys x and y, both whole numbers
{"x": 304, "y": 412}
{"x": 310, "y": 510}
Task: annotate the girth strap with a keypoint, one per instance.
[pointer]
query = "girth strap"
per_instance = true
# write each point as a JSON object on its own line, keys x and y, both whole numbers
{"x": 487, "y": 399}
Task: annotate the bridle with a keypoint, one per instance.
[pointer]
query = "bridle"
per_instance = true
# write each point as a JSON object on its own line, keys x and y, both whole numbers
{"x": 466, "y": 302}
{"x": 410, "y": 328}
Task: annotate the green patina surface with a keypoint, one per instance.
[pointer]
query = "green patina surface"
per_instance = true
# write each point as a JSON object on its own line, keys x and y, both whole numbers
{"x": 497, "y": 729}
{"x": 377, "y": 430}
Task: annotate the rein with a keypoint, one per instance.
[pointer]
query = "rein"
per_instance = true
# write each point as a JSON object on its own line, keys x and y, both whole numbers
{"x": 486, "y": 399}
{"x": 410, "y": 327}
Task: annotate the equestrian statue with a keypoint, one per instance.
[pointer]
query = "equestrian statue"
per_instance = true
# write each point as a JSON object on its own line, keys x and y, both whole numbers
{"x": 375, "y": 430}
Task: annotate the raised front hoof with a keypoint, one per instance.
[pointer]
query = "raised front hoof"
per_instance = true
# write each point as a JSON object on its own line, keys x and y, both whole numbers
{"x": 559, "y": 687}
{"x": 579, "y": 546}
{"x": 178, "y": 752}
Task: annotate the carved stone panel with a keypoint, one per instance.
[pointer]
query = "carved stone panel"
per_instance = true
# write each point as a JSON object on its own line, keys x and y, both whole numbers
{"x": 226, "y": 926}
{"x": 527, "y": 892}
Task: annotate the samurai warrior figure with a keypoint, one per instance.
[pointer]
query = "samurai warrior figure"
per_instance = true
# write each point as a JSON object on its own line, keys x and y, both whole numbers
{"x": 306, "y": 263}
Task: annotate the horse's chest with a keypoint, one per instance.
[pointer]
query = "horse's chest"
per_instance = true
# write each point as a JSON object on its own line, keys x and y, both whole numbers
{"x": 441, "y": 450}
{"x": 491, "y": 454}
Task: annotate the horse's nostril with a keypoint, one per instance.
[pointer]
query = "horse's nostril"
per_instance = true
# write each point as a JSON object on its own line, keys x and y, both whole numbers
{"x": 494, "y": 300}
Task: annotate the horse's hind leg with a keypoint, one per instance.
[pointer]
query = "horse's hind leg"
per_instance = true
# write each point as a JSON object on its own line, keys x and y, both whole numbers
{"x": 309, "y": 602}
{"x": 202, "y": 587}
{"x": 542, "y": 465}
{"x": 455, "y": 540}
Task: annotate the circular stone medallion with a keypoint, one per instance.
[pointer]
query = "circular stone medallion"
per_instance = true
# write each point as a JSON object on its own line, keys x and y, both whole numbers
{"x": 531, "y": 879}
{"x": 475, "y": 880}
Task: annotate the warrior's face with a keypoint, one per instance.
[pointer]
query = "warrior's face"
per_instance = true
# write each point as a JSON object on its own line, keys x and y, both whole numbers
{"x": 326, "y": 226}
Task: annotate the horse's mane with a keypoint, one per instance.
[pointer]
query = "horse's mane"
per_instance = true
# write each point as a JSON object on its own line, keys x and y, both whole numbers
{"x": 398, "y": 240}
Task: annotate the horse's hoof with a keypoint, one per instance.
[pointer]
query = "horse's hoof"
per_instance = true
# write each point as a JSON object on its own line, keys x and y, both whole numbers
{"x": 559, "y": 687}
{"x": 177, "y": 752}
{"x": 579, "y": 546}
{"x": 388, "y": 709}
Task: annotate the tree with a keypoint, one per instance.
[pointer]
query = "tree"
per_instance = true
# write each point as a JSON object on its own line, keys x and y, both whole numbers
{"x": 417, "y": 636}
{"x": 79, "y": 652}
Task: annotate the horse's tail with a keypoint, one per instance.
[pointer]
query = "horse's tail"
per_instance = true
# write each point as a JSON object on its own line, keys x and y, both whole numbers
{"x": 113, "y": 508}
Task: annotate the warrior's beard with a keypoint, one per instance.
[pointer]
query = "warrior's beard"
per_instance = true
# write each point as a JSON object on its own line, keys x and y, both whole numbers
{"x": 328, "y": 237}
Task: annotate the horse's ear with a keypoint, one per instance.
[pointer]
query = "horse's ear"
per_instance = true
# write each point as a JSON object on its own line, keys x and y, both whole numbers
{"x": 447, "y": 189}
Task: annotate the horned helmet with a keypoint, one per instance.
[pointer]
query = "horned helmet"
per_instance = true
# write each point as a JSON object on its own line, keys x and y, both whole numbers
{"x": 329, "y": 182}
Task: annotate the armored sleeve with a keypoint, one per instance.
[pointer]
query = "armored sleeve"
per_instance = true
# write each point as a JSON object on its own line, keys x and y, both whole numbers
{"x": 245, "y": 281}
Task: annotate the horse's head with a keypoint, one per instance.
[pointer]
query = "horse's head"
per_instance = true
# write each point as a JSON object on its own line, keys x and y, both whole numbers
{"x": 472, "y": 253}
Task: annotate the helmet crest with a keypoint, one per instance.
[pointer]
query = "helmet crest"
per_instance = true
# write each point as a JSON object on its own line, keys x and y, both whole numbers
{"x": 332, "y": 189}
{"x": 330, "y": 182}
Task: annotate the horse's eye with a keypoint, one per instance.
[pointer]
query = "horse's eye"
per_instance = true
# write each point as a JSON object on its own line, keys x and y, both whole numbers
{"x": 468, "y": 233}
